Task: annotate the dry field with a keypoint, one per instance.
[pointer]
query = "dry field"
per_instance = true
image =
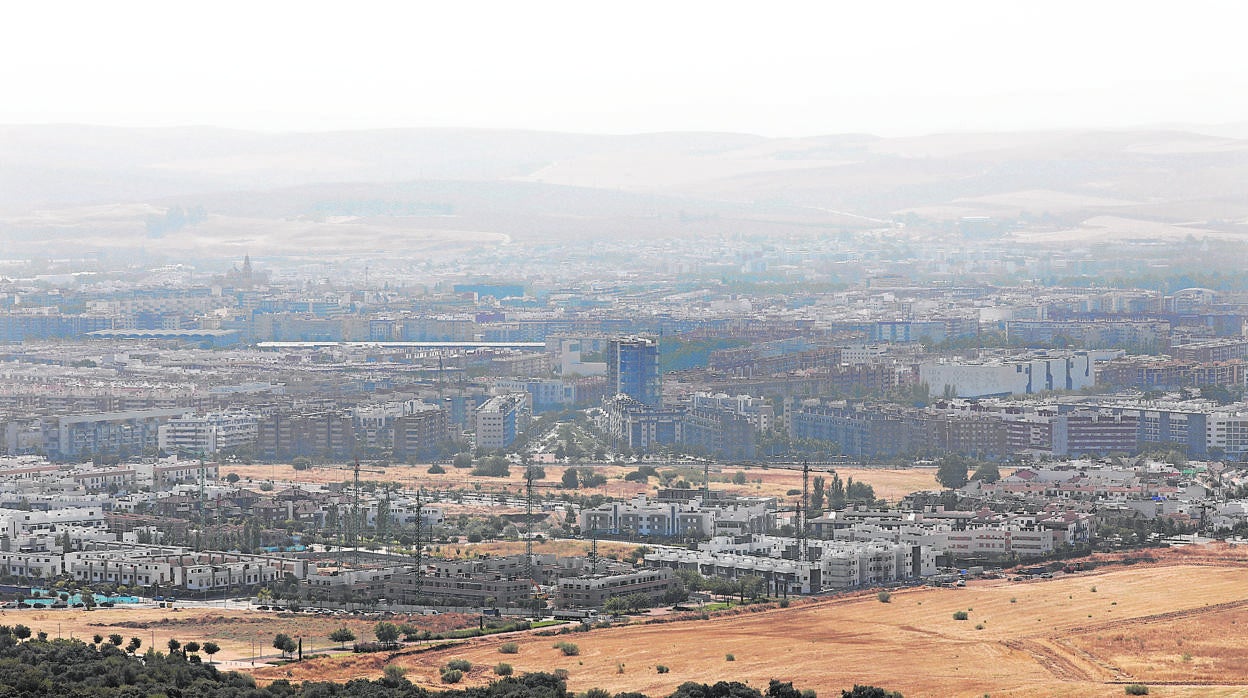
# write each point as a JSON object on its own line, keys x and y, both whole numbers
{"x": 889, "y": 483}
{"x": 1175, "y": 625}
{"x": 233, "y": 629}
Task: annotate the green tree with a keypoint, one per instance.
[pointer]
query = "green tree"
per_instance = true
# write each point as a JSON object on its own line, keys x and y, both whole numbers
{"x": 116, "y": 639}
{"x": 818, "y": 487}
{"x": 211, "y": 648}
{"x": 494, "y": 466}
{"x": 836, "y": 492}
{"x": 952, "y": 471}
{"x": 987, "y": 472}
{"x": 342, "y": 636}
{"x": 284, "y": 644}
{"x": 569, "y": 479}
{"x": 387, "y": 633}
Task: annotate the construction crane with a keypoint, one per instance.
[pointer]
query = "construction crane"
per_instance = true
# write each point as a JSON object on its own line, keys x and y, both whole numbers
{"x": 528, "y": 530}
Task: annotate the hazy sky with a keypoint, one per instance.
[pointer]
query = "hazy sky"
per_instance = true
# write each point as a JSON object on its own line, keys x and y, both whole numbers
{"x": 772, "y": 68}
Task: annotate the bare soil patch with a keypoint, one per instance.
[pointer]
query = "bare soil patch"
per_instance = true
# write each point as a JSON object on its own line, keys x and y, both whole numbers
{"x": 889, "y": 483}
{"x": 1044, "y": 638}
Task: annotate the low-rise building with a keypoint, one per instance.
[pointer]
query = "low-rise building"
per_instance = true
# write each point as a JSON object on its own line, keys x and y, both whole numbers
{"x": 592, "y": 591}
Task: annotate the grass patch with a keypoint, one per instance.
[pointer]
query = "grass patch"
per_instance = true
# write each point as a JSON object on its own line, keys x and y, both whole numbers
{"x": 546, "y": 623}
{"x": 509, "y": 648}
{"x": 569, "y": 649}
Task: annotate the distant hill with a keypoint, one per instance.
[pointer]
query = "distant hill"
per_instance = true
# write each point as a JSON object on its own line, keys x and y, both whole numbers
{"x": 96, "y": 186}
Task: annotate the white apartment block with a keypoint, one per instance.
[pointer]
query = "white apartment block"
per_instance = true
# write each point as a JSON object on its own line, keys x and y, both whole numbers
{"x": 208, "y": 434}
{"x": 146, "y": 565}
{"x": 497, "y": 422}
{"x": 1227, "y": 431}
{"x": 829, "y": 564}
{"x": 15, "y": 523}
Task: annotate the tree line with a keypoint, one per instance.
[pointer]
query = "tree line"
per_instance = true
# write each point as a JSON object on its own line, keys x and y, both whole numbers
{"x": 36, "y": 666}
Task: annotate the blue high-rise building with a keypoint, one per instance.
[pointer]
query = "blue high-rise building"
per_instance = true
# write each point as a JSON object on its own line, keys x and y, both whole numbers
{"x": 633, "y": 369}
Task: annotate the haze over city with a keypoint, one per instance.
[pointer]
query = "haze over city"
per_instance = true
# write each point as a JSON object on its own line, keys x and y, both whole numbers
{"x": 799, "y": 69}
{"x": 699, "y": 350}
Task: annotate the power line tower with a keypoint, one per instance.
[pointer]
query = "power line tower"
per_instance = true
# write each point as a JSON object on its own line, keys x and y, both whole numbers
{"x": 528, "y": 523}
{"x": 203, "y": 474}
{"x": 593, "y": 551}
{"x": 802, "y": 512}
{"x": 354, "y": 525}
{"x": 418, "y": 546}
{"x": 341, "y": 530}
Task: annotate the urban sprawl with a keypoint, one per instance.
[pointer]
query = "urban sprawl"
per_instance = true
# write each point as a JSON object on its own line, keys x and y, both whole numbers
{"x": 360, "y": 435}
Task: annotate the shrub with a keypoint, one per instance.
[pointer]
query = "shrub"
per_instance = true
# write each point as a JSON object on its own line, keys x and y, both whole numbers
{"x": 979, "y": 626}
{"x": 509, "y": 648}
{"x": 452, "y": 676}
{"x": 960, "y": 615}
{"x": 1137, "y": 689}
{"x": 1013, "y": 600}
{"x": 459, "y": 665}
{"x": 494, "y": 466}
{"x": 662, "y": 669}
{"x": 730, "y": 657}
{"x": 569, "y": 649}
{"x": 503, "y": 669}
{"x": 884, "y": 597}
{"x": 1093, "y": 590}
{"x": 393, "y": 675}
{"x": 436, "y": 469}
{"x": 784, "y": 603}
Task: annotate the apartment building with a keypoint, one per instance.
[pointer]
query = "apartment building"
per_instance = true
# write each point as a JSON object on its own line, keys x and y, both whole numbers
{"x": 592, "y": 591}
{"x": 208, "y": 434}
{"x": 500, "y": 420}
